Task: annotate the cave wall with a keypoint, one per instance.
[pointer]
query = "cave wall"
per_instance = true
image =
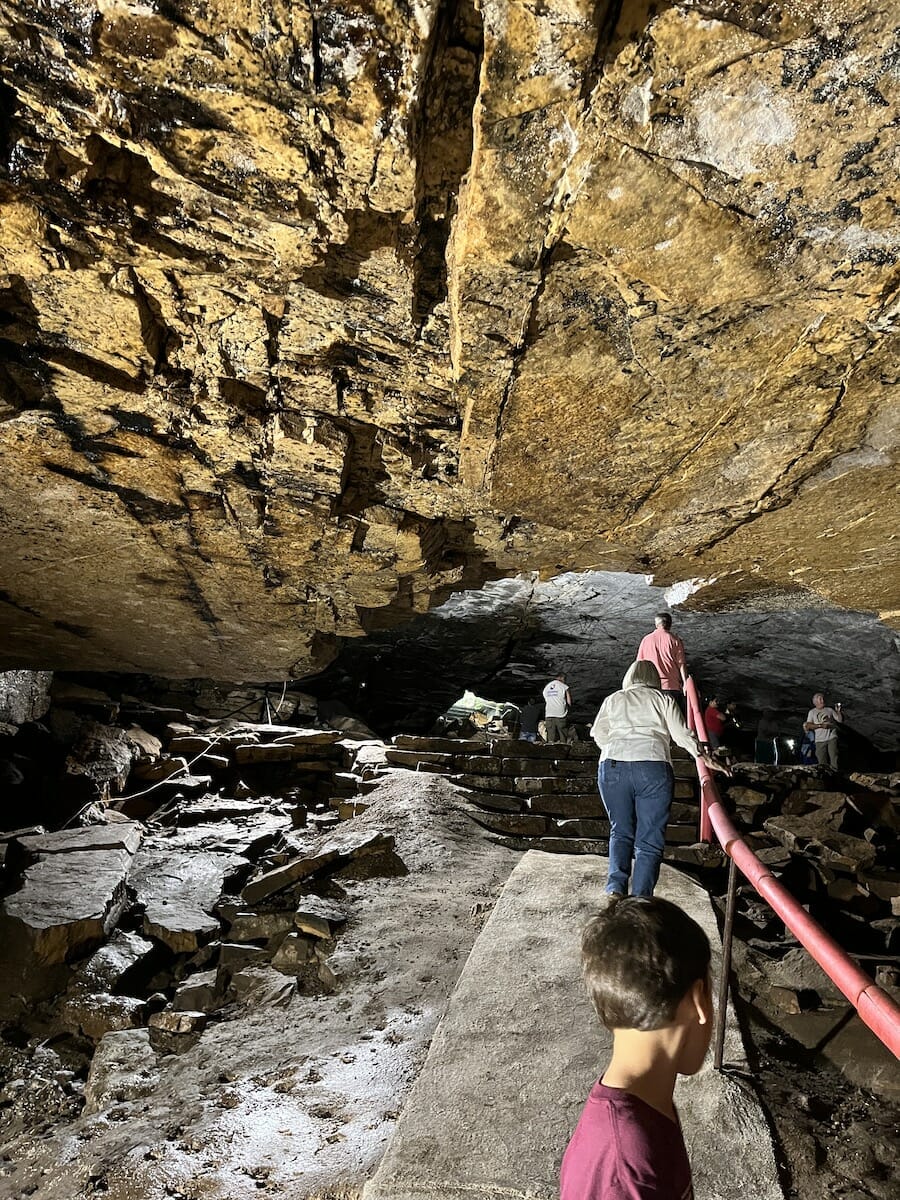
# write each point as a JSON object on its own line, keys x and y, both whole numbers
{"x": 507, "y": 639}
{"x": 311, "y": 313}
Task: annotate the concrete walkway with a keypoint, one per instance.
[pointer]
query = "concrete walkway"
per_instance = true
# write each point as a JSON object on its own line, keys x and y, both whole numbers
{"x": 519, "y": 1048}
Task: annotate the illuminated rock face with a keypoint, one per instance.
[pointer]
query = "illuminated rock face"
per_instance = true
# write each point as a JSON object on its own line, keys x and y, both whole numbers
{"x": 310, "y": 316}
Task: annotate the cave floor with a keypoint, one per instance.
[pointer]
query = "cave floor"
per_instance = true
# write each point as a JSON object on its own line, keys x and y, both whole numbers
{"x": 299, "y": 1096}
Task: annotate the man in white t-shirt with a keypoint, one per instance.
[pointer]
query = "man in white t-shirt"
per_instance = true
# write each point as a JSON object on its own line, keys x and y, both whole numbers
{"x": 557, "y": 702}
{"x": 823, "y": 721}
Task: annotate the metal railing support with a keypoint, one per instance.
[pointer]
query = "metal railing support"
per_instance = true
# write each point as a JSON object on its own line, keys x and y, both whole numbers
{"x": 725, "y": 977}
{"x": 696, "y": 722}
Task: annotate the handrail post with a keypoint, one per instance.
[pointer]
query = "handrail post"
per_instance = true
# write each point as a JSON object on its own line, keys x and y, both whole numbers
{"x": 695, "y": 722}
{"x": 725, "y": 975}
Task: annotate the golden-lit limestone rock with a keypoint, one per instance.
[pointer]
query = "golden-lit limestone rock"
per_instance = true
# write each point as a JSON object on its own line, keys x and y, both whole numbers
{"x": 716, "y": 271}
{"x": 310, "y": 316}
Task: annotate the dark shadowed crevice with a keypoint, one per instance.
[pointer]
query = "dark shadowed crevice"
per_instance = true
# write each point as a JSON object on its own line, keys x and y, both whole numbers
{"x": 145, "y": 509}
{"x": 337, "y": 276}
{"x": 441, "y": 138}
{"x": 8, "y": 105}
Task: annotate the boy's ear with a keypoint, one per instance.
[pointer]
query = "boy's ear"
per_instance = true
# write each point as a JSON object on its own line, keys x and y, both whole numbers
{"x": 701, "y": 1000}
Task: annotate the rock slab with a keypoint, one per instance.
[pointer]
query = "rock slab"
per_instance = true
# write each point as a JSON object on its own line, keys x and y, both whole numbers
{"x": 494, "y": 1105}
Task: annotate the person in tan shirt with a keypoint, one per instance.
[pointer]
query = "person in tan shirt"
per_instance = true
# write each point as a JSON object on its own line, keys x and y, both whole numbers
{"x": 822, "y": 721}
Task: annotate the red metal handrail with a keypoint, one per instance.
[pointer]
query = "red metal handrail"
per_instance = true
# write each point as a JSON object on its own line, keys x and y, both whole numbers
{"x": 875, "y": 1007}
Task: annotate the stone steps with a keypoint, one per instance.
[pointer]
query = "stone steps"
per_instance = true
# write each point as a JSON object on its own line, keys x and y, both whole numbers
{"x": 534, "y": 793}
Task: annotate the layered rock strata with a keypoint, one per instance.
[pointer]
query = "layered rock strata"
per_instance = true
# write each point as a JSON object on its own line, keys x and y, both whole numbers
{"x": 311, "y": 314}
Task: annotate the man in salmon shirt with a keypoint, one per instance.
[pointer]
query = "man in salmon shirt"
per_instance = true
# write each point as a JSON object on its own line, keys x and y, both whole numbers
{"x": 666, "y": 651}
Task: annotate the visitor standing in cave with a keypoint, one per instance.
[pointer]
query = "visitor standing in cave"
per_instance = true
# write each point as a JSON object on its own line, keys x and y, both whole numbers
{"x": 646, "y": 966}
{"x": 634, "y": 729}
{"x": 766, "y": 745}
{"x": 715, "y": 718}
{"x": 557, "y": 702}
{"x": 665, "y": 650}
{"x": 822, "y": 721}
{"x": 531, "y": 716}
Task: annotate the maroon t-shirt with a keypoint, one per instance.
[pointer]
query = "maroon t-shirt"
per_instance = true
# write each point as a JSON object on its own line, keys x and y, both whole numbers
{"x": 623, "y": 1149}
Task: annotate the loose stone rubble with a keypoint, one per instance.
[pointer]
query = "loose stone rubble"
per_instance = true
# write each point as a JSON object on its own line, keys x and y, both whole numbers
{"x": 217, "y": 948}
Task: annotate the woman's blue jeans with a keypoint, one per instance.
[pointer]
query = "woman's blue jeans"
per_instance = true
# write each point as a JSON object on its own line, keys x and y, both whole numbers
{"x": 637, "y": 797}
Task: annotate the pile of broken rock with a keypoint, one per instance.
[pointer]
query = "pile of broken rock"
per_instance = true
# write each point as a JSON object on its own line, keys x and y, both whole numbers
{"x": 214, "y": 881}
{"x": 833, "y": 842}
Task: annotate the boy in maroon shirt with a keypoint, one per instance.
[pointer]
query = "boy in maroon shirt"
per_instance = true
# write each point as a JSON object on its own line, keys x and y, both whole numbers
{"x": 646, "y": 966}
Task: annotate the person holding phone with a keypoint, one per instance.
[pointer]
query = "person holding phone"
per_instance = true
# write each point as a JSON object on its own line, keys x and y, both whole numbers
{"x": 823, "y": 721}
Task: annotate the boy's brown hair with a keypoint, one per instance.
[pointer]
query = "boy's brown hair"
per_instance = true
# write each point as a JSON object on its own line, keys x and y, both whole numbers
{"x": 639, "y": 957}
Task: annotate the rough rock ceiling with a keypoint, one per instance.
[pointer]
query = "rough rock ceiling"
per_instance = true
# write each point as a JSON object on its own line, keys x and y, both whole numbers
{"x": 313, "y": 312}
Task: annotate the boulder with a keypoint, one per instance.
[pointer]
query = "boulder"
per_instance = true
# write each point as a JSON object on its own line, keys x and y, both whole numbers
{"x": 263, "y": 987}
{"x": 260, "y": 927}
{"x": 514, "y": 824}
{"x": 178, "y": 1021}
{"x": 216, "y": 808}
{"x": 798, "y": 971}
{"x": 585, "y": 805}
{"x": 234, "y": 956}
{"x": 350, "y": 808}
{"x": 496, "y": 802}
{"x": 405, "y": 741}
{"x": 319, "y": 918}
{"x": 333, "y": 850}
{"x": 352, "y": 728}
{"x": 162, "y": 768}
{"x": 478, "y": 764}
{"x": 100, "y": 1013}
{"x": 103, "y": 754}
{"x": 580, "y": 828}
{"x": 178, "y": 886}
{"x": 746, "y": 797}
{"x": 120, "y": 835}
{"x": 146, "y": 746}
{"x": 293, "y": 955}
{"x": 213, "y": 762}
{"x": 269, "y": 753}
{"x": 66, "y": 902}
{"x": 519, "y": 748}
{"x": 198, "y": 993}
{"x": 190, "y": 745}
{"x": 124, "y": 1067}
{"x": 491, "y": 783}
{"x": 24, "y": 696}
{"x": 842, "y": 851}
{"x": 888, "y": 928}
{"x": 883, "y": 882}
{"x": 774, "y": 857}
{"x": 414, "y": 758}
{"x": 795, "y": 832}
{"x": 109, "y": 966}
{"x": 294, "y": 736}
{"x": 698, "y": 854}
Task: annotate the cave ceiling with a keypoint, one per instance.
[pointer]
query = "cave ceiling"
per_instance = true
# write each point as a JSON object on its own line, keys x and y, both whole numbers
{"x": 311, "y": 314}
